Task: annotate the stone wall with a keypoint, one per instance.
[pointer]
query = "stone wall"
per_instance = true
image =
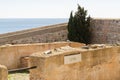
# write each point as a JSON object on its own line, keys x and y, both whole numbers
{"x": 12, "y": 55}
{"x": 53, "y": 33}
{"x": 3, "y": 73}
{"x": 106, "y": 31}
{"x": 80, "y": 64}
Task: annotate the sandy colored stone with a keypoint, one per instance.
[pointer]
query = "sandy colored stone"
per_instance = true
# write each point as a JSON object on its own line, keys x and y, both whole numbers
{"x": 95, "y": 64}
{"x": 52, "y": 33}
{"x": 10, "y": 55}
{"x": 103, "y": 31}
{"x": 3, "y": 73}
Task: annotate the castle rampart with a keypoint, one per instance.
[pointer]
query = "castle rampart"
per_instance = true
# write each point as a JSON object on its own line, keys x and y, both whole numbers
{"x": 51, "y": 33}
{"x": 104, "y": 31}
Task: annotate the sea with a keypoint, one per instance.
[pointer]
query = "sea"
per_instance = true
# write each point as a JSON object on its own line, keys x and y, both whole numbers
{"x": 17, "y": 24}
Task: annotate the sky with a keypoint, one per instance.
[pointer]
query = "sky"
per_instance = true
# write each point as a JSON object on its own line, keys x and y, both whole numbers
{"x": 58, "y": 8}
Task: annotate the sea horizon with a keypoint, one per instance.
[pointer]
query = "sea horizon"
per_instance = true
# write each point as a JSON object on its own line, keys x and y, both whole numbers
{"x": 8, "y": 25}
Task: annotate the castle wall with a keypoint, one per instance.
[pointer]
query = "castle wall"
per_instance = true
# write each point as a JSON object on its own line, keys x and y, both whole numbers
{"x": 11, "y": 55}
{"x": 80, "y": 64}
{"x": 106, "y": 31}
{"x": 53, "y": 33}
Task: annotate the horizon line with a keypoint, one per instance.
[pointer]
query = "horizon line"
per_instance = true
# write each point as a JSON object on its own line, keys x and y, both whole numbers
{"x": 35, "y": 18}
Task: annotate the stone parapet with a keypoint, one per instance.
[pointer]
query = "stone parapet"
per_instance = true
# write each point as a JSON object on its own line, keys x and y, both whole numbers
{"x": 12, "y": 55}
{"x": 68, "y": 63}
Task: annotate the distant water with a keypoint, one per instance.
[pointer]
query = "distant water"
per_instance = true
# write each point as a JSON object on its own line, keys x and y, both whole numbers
{"x": 11, "y": 25}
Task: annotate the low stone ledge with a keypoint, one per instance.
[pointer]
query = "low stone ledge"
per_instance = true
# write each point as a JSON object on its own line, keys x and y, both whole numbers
{"x": 66, "y": 63}
{"x": 3, "y": 73}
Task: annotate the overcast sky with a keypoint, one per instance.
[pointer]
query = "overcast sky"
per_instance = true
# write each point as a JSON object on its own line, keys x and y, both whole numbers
{"x": 57, "y": 8}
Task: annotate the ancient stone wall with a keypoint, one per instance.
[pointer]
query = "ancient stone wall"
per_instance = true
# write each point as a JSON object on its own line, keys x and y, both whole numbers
{"x": 106, "y": 31}
{"x": 53, "y": 33}
{"x": 80, "y": 64}
{"x": 3, "y": 73}
{"x": 12, "y": 55}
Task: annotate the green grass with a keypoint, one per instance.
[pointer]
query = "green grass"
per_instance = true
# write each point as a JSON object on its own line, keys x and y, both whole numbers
{"x": 18, "y": 76}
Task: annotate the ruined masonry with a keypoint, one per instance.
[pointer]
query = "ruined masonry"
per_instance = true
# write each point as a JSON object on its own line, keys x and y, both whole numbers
{"x": 62, "y": 61}
{"x": 96, "y": 62}
{"x": 103, "y": 31}
{"x": 3, "y": 73}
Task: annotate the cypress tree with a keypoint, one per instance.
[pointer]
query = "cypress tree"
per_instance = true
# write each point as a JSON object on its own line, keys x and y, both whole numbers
{"x": 71, "y": 28}
{"x": 79, "y": 26}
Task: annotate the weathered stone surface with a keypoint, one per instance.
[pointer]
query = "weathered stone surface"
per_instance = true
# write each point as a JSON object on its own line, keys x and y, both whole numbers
{"x": 95, "y": 64}
{"x": 12, "y": 55}
{"x": 3, "y": 73}
{"x": 24, "y": 62}
{"x": 106, "y": 31}
{"x": 45, "y": 34}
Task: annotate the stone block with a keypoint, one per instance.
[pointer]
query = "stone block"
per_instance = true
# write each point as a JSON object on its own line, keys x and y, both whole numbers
{"x": 55, "y": 66}
{"x": 24, "y": 62}
{"x": 3, "y": 73}
{"x": 76, "y": 64}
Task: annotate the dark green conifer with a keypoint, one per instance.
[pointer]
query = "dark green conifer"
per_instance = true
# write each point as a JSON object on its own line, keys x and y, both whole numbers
{"x": 71, "y": 28}
{"x": 79, "y": 26}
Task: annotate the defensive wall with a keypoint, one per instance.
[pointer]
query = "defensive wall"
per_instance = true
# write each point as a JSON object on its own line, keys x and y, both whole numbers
{"x": 63, "y": 61}
{"x": 104, "y": 31}
{"x": 53, "y": 33}
{"x": 77, "y": 64}
{"x": 13, "y": 56}
{"x": 82, "y": 63}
